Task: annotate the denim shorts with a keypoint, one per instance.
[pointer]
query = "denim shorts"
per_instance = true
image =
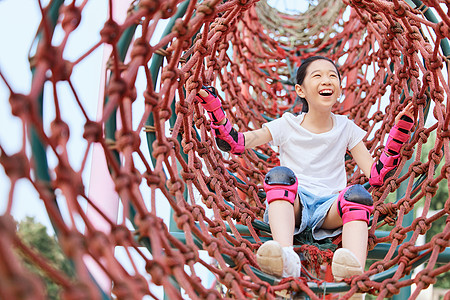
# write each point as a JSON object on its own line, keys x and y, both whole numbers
{"x": 315, "y": 209}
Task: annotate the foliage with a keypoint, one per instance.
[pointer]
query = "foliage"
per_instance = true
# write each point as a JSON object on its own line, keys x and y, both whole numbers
{"x": 35, "y": 235}
{"x": 437, "y": 203}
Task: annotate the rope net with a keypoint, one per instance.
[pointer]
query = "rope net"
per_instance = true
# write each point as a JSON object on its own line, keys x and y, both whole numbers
{"x": 390, "y": 53}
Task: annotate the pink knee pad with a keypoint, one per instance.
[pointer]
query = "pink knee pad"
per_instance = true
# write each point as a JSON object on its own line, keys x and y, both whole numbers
{"x": 355, "y": 204}
{"x": 280, "y": 184}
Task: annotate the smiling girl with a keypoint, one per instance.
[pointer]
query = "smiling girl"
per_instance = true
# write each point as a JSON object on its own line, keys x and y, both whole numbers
{"x": 309, "y": 188}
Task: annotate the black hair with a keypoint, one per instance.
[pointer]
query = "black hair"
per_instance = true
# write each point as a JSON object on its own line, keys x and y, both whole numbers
{"x": 301, "y": 73}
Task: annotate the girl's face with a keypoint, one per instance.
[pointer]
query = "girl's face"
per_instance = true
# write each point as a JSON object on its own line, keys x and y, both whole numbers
{"x": 321, "y": 86}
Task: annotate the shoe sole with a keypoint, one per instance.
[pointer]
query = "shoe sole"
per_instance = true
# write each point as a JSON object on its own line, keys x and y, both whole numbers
{"x": 345, "y": 265}
{"x": 270, "y": 258}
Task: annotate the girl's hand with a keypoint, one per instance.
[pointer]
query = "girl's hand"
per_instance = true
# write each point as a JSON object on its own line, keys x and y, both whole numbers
{"x": 203, "y": 93}
{"x": 407, "y": 111}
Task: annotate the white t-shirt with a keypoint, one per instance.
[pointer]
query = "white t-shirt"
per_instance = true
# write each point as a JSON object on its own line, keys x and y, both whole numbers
{"x": 318, "y": 160}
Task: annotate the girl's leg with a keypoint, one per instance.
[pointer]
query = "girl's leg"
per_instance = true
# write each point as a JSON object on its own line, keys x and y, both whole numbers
{"x": 278, "y": 257}
{"x": 283, "y": 216}
{"x": 354, "y": 239}
{"x": 354, "y": 233}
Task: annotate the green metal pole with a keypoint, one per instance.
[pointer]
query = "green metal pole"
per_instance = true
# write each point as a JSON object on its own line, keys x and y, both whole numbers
{"x": 155, "y": 66}
{"x": 38, "y": 148}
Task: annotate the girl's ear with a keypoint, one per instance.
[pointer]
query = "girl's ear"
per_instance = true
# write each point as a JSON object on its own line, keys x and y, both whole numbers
{"x": 299, "y": 90}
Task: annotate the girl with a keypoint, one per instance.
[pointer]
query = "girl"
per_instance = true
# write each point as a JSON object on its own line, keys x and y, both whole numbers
{"x": 309, "y": 188}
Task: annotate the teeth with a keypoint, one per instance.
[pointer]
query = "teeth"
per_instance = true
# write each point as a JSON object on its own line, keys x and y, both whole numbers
{"x": 325, "y": 92}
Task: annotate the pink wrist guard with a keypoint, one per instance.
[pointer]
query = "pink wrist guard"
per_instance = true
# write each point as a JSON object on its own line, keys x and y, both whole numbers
{"x": 228, "y": 139}
{"x": 383, "y": 168}
{"x": 212, "y": 104}
{"x": 354, "y": 204}
{"x": 390, "y": 158}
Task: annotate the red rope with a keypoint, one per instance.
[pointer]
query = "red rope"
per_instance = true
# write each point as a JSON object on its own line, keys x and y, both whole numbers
{"x": 389, "y": 55}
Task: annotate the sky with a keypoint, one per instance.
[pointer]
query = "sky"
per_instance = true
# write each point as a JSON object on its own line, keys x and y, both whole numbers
{"x": 19, "y": 20}
{"x": 17, "y": 37}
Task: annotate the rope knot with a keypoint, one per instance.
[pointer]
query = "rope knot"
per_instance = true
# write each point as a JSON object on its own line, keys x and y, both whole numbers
{"x": 363, "y": 283}
{"x": 15, "y": 166}
{"x": 181, "y": 28}
{"x": 207, "y": 9}
{"x": 400, "y": 9}
{"x": 438, "y": 93}
{"x": 397, "y": 234}
{"x": 110, "y": 33}
{"x": 408, "y": 252}
{"x": 121, "y": 235}
{"x": 175, "y": 185}
{"x": 372, "y": 241}
{"x": 149, "y": 6}
{"x": 188, "y": 146}
{"x": 425, "y": 277}
{"x": 378, "y": 265}
{"x": 183, "y": 108}
{"x": 158, "y": 270}
{"x": 72, "y": 17}
{"x": 21, "y": 105}
{"x": 141, "y": 48}
{"x": 151, "y": 98}
{"x": 201, "y": 48}
{"x": 127, "y": 139}
{"x": 442, "y": 29}
{"x": 172, "y": 75}
{"x": 392, "y": 182}
{"x": 93, "y": 132}
{"x": 396, "y": 28}
{"x": 430, "y": 186}
{"x": 65, "y": 175}
{"x": 229, "y": 277}
{"x": 60, "y": 132}
{"x": 153, "y": 179}
{"x": 441, "y": 240}
{"x": 183, "y": 217}
{"x": 168, "y": 9}
{"x": 117, "y": 86}
{"x": 417, "y": 168}
{"x": 197, "y": 212}
{"x": 72, "y": 243}
{"x": 445, "y": 171}
{"x": 390, "y": 285}
{"x": 98, "y": 242}
{"x": 160, "y": 148}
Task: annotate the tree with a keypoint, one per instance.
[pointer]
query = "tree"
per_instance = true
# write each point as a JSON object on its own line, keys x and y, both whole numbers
{"x": 437, "y": 203}
{"x": 35, "y": 235}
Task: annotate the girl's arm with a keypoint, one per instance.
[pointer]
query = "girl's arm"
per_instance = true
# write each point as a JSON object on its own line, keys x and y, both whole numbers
{"x": 362, "y": 157}
{"x": 227, "y": 138}
{"x": 390, "y": 158}
{"x": 257, "y": 137}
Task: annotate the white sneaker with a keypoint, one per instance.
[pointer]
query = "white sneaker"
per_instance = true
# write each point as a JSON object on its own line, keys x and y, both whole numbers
{"x": 278, "y": 261}
{"x": 345, "y": 264}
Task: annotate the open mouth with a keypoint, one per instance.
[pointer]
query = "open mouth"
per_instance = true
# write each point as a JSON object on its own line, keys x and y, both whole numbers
{"x": 326, "y": 92}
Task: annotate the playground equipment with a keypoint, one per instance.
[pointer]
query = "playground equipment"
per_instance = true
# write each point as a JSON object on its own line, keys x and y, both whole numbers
{"x": 158, "y": 148}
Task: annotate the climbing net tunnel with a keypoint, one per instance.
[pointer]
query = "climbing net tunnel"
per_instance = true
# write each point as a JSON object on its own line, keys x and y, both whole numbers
{"x": 159, "y": 151}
